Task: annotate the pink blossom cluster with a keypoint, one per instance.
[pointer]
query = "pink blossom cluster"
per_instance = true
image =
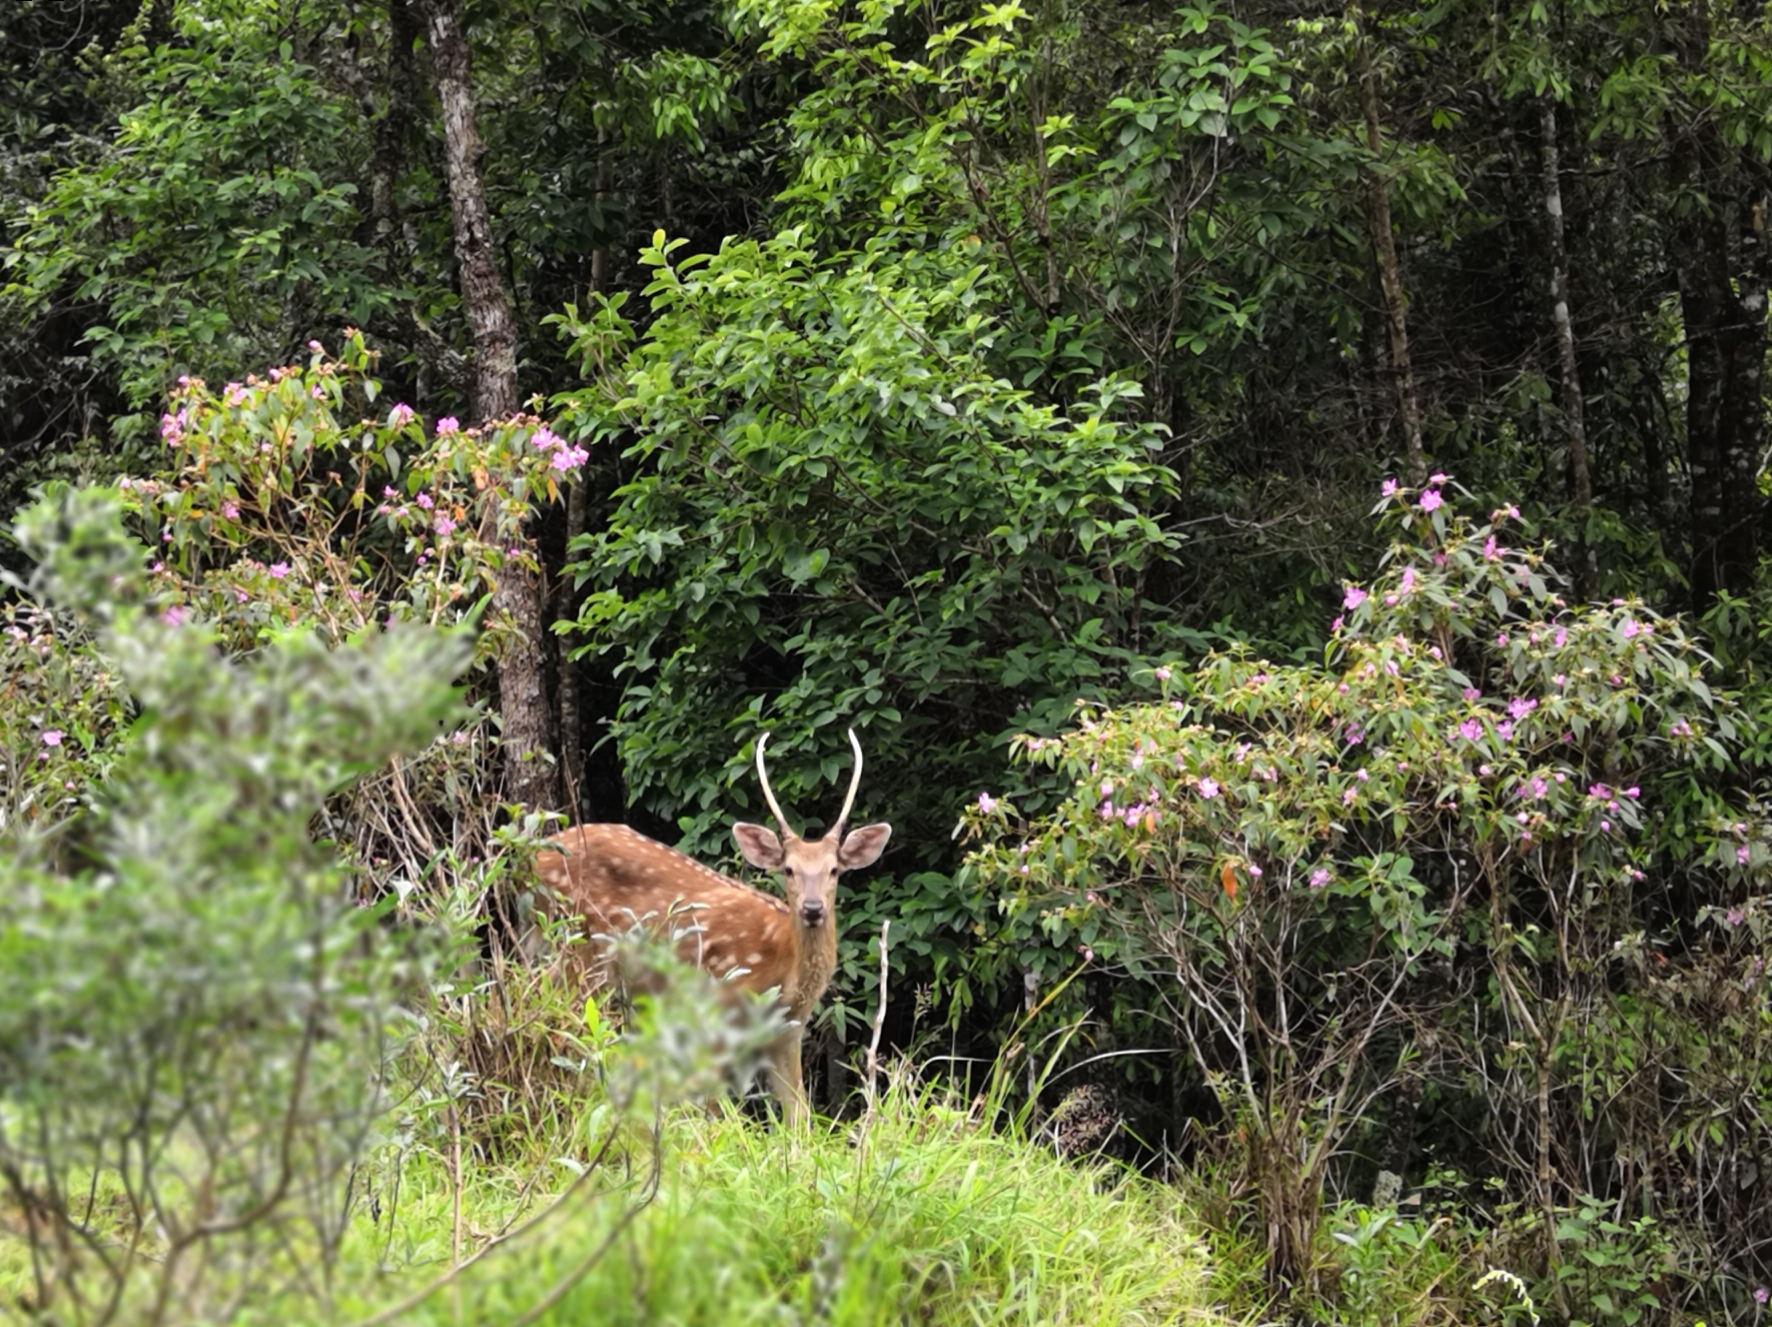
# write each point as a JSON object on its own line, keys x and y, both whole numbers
{"x": 173, "y": 426}
{"x": 565, "y": 455}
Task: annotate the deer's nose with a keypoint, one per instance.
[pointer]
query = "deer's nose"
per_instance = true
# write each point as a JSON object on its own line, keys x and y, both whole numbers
{"x": 812, "y": 912}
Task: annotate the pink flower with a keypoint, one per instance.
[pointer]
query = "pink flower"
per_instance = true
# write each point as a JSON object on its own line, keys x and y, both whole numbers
{"x": 1335, "y": 626}
{"x": 1347, "y": 798}
{"x": 1631, "y": 792}
{"x": 1561, "y": 636}
{"x": 1501, "y": 640}
{"x": 1163, "y": 674}
{"x": 1319, "y": 877}
{"x": 569, "y": 457}
{"x": 1431, "y": 500}
{"x": 317, "y": 392}
{"x": 1208, "y": 789}
{"x": 1742, "y": 854}
{"x": 1407, "y": 584}
{"x": 987, "y": 803}
{"x": 545, "y": 438}
{"x": 400, "y": 416}
{"x": 230, "y": 511}
{"x": 424, "y": 500}
{"x": 316, "y": 347}
{"x": 447, "y": 425}
{"x": 1388, "y": 489}
{"x": 1471, "y": 729}
{"x": 278, "y": 569}
{"x": 1436, "y": 479}
{"x": 1491, "y": 551}
{"x": 1254, "y": 871}
{"x": 1606, "y": 825}
{"x": 234, "y": 394}
{"x": 176, "y": 616}
{"x": 1761, "y": 1295}
{"x": 444, "y": 524}
{"x": 1505, "y": 730}
{"x": 1471, "y": 693}
{"x": 52, "y": 736}
{"x": 1630, "y": 628}
{"x": 1521, "y": 706}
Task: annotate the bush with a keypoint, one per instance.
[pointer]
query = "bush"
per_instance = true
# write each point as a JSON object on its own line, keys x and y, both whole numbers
{"x": 198, "y": 1023}
{"x": 1477, "y": 857}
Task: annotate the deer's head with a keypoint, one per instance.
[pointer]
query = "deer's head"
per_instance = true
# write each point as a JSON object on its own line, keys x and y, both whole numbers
{"x": 810, "y": 867}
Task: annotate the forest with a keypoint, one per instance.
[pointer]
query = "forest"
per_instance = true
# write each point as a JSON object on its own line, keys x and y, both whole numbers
{"x": 1275, "y": 492}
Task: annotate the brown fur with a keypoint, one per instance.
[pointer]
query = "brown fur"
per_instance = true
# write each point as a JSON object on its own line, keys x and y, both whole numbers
{"x": 612, "y": 877}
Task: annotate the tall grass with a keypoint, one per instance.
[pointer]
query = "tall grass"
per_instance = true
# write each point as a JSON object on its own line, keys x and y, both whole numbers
{"x": 922, "y": 1215}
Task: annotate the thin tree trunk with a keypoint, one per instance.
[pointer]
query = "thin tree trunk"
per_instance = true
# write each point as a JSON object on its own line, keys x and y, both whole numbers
{"x": 1390, "y": 270}
{"x": 531, "y": 777}
{"x": 1722, "y": 273}
{"x": 1581, "y": 490}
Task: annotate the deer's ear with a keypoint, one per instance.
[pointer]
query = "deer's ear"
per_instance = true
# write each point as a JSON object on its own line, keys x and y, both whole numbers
{"x": 862, "y": 847}
{"x": 759, "y": 845}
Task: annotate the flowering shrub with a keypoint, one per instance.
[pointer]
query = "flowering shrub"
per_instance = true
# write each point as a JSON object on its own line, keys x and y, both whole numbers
{"x": 301, "y": 499}
{"x": 1456, "y": 853}
{"x": 61, "y": 710}
{"x": 296, "y": 497}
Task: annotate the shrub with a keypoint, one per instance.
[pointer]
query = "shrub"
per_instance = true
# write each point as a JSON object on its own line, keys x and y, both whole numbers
{"x": 1477, "y": 853}
{"x": 198, "y": 1022}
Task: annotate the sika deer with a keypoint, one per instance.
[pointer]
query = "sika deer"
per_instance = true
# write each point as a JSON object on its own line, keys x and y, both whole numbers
{"x": 610, "y": 876}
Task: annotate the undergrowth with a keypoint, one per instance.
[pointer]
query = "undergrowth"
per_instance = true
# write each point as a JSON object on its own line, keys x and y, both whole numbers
{"x": 919, "y": 1214}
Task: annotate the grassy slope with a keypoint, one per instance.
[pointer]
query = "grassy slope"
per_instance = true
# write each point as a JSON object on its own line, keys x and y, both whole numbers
{"x": 929, "y": 1219}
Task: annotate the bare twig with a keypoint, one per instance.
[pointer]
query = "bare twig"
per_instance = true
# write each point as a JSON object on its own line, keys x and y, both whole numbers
{"x": 879, "y": 1022}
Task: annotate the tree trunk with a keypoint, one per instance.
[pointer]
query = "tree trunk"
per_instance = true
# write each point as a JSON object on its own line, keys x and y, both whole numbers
{"x": 1581, "y": 490}
{"x": 1722, "y": 274}
{"x": 531, "y": 777}
{"x": 1390, "y": 270}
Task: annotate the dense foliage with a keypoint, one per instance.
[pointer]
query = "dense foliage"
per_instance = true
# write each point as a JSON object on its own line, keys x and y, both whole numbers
{"x": 1010, "y": 383}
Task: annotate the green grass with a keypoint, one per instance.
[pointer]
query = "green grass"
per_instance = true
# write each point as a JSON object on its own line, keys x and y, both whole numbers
{"x": 927, "y": 1218}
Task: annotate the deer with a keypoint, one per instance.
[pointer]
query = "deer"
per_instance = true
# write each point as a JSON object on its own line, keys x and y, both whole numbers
{"x": 611, "y": 875}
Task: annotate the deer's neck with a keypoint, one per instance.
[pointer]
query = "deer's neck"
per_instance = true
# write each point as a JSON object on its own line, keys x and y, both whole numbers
{"x": 818, "y": 960}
